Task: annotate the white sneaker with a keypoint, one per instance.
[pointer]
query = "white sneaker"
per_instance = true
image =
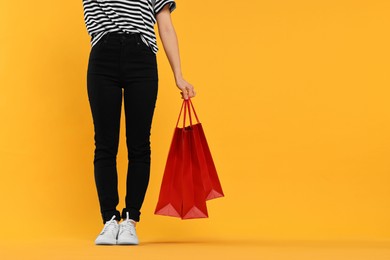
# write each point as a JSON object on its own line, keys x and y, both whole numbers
{"x": 127, "y": 234}
{"x": 109, "y": 233}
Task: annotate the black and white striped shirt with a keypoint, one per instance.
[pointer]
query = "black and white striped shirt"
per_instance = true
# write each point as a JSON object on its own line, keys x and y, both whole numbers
{"x": 103, "y": 16}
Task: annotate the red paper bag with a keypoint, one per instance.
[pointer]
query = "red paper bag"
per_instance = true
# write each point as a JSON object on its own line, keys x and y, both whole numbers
{"x": 170, "y": 198}
{"x": 190, "y": 177}
{"x": 194, "y": 204}
{"x": 211, "y": 183}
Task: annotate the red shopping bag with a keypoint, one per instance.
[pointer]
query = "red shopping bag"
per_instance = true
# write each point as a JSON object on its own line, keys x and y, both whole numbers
{"x": 194, "y": 203}
{"x": 211, "y": 183}
{"x": 190, "y": 177}
{"x": 170, "y": 198}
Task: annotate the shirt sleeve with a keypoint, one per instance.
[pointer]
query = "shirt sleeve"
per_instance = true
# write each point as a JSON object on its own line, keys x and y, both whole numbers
{"x": 159, "y": 5}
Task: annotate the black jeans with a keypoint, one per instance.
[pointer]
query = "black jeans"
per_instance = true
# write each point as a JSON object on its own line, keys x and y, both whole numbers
{"x": 121, "y": 60}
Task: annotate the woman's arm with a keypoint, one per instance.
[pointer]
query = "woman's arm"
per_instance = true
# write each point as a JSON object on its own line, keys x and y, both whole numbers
{"x": 171, "y": 47}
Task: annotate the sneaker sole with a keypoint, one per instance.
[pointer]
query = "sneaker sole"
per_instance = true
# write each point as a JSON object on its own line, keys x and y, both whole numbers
{"x": 105, "y": 243}
{"x": 127, "y": 243}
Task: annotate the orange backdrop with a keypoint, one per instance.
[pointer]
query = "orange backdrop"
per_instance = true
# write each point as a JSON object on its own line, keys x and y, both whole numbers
{"x": 293, "y": 97}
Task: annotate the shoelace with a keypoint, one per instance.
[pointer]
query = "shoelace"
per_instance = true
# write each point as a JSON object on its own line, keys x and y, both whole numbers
{"x": 127, "y": 225}
{"x": 109, "y": 224}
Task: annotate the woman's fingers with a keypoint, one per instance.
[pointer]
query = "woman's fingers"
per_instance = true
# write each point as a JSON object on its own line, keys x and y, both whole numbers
{"x": 186, "y": 88}
{"x": 190, "y": 91}
{"x": 184, "y": 95}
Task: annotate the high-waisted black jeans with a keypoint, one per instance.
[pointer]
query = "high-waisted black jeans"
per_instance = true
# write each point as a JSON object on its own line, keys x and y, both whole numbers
{"x": 122, "y": 61}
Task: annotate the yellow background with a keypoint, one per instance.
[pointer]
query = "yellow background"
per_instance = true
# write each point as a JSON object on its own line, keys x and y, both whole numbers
{"x": 293, "y": 97}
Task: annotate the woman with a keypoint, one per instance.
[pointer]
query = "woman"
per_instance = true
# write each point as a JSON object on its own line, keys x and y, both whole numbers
{"x": 123, "y": 55}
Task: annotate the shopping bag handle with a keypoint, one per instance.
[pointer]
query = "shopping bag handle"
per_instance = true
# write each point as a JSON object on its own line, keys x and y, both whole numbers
{"x": 193, "y": 109}
{"x": 187, "y": 104}
{"x": 177, "y": 123}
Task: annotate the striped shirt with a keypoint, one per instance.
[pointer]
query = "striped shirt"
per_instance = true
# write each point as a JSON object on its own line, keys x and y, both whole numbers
{"x": 139, "y": 16}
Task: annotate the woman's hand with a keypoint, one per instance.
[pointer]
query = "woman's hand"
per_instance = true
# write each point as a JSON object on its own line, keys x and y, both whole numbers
{"x": 187, "y": 90}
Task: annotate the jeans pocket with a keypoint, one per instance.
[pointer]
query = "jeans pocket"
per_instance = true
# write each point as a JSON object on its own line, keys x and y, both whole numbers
{"x": 101, "y": 42}
{"x": 144, "y": 48}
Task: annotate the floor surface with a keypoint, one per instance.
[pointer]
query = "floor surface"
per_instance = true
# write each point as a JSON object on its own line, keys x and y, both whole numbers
{"x": 267, "y": 250}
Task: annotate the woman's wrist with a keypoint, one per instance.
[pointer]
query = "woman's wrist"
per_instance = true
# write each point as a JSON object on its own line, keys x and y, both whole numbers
{"x": 178, "y": 77}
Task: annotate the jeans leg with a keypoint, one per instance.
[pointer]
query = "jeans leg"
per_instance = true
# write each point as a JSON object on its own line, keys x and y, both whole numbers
{"x": 140, "y": 99}
{"x": 105, "y": 97}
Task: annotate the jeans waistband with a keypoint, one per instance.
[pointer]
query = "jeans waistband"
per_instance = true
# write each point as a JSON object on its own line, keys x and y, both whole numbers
{"x": 122, "y": 36}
